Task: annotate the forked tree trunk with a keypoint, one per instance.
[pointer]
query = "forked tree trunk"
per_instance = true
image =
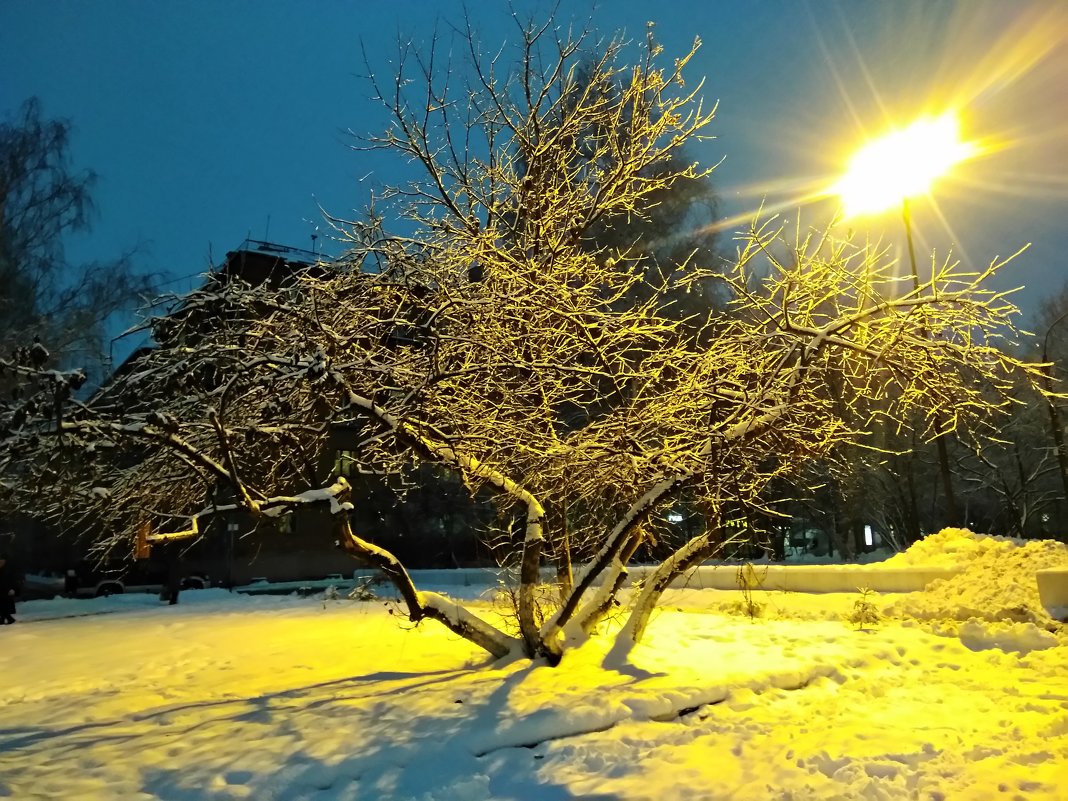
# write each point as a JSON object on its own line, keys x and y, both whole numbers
{"x": 604, "y": 598}
{"x": 691, "y": 554}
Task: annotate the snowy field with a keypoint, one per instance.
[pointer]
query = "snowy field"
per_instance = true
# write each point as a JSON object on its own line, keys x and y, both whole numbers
{"x": 959, "y": 692}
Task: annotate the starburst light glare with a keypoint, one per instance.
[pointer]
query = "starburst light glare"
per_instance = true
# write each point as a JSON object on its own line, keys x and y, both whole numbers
{"x": 902, "y": 164}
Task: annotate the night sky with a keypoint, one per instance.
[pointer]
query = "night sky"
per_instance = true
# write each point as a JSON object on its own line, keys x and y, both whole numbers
{"x": 209, "y": 120}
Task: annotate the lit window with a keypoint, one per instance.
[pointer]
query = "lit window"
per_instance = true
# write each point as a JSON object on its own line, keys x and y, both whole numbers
{"x": 344, "y": 463}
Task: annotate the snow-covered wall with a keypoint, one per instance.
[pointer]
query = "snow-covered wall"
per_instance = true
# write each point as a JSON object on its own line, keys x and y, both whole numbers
{"x": 1053, "y": 587}
{"x": 793, "y": 578}
{"x": 953, "y": 572}
{"x": 810, "y": 578}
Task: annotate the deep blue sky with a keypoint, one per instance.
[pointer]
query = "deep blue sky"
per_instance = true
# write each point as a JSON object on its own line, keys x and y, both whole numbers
{"x": 206, "y": 117}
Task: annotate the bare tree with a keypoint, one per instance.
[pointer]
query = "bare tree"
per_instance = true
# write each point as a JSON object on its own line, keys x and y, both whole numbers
{"x": 540, "y": 376}
{"x": 42, "y": 199}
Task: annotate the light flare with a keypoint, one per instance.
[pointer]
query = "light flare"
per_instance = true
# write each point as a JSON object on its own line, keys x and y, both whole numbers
{"x": 902, "y": 164}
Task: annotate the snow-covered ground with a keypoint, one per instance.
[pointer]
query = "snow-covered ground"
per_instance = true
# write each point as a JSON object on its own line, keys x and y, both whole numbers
{"x": 275, "y": 697}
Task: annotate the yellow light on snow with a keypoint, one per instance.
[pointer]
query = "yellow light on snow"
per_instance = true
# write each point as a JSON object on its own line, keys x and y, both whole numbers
{"x": 902, "y": 164}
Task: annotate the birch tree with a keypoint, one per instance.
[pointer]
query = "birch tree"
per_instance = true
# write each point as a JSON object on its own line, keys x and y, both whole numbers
{"x": 496, "y": 339}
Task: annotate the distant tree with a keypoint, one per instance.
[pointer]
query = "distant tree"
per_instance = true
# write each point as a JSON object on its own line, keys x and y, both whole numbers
{"x": 1051, "y": 326}
{"x": 539, "y": 380}
{"x": 1012, "y": 485}
{"x": 42, "y": 200}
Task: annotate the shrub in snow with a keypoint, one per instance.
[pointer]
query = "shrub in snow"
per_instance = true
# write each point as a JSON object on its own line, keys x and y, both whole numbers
{"x": 507, "y": 601}
{"x": 746, "y": 607}
{"x": 865, "y": 613}
{"x": 362, "y": 591}
{"x": 749, "y": 578}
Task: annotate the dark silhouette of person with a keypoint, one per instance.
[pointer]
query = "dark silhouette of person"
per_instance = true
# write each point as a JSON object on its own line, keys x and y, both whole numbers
{"x": 8, "y": 589}
{"x": 70, "y": 583}
{"x": 173, "y": 584}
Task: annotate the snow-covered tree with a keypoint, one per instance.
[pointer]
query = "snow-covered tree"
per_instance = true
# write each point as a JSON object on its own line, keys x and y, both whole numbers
{"x": 497, "y": 339}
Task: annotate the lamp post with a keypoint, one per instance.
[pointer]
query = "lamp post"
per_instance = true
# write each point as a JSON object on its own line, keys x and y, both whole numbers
{"x": 907, "y": 218}
{"x": 1056, "y": 428}
{"x": 883, "y": 175}
{"x": 231, "y": 532}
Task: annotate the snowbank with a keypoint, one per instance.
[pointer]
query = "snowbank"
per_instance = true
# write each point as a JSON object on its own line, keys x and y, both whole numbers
{"x": 950, "y": 547}
{"x": 997, "y": 581}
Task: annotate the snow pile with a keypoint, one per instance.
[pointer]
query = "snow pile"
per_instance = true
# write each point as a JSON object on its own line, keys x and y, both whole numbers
{"x": 997, "y": 583}
{"x": 1021, "y": 637}
{"x": 950, "y": 547}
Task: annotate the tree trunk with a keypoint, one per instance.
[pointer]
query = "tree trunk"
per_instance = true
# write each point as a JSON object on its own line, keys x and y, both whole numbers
{"x": 605, "y": 598}
{"x": 692, "y": 553}
{"x": 913, "y": 509}
{"x": 423, "y": 604}
{"x": 952, "y": 511}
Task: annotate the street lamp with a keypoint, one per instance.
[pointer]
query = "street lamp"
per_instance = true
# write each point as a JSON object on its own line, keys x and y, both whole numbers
{"x": 1051, "y": 406}
{"x": 903, "y": 164}
{"x": 888, "y": 171}
{"x": 231, "y": 530}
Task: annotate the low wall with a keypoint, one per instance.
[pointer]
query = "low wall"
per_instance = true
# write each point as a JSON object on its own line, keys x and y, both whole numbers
{"x": 1053, "y": 587}
{"x": 457, "y": 577}
{"x": 811, "y": 578}
{"x": 792, "y": 578}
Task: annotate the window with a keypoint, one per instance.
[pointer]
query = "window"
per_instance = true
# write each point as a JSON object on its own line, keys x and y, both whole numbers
{"x": 345, "y": 463}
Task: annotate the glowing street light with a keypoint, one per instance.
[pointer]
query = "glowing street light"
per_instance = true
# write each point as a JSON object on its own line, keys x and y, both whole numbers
{"x": 905, "y": 163}
{"x": 902, "y": 164}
